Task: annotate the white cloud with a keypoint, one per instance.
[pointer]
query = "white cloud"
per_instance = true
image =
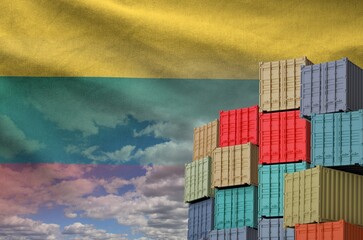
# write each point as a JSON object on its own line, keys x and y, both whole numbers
{"x": 72, "y": 106}
{"x": 70, "y": 214}
{"x": 26, "y": 187}
{"x": 158, "y": 130}
{"x": 68, "y": 191}
{"x": 71, "y": 149}
{"x": 113, "y": 185}
{"x": 96, "y": 155}
{"x": 14, "y": 227}
{"x": 13, "y": 140}
{"x": 154, "y": 209}
{"x": 90, "y": 154}
{"x": 89, "y": 232}
{"x": 123, "y": 155}
{"x": 167, "y": 153}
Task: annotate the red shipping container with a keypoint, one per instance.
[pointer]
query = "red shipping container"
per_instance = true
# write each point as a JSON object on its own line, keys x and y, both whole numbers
{"x": 284, "y": 138}
{"x": 340, "y": 230}
{"x": 238, "y": 126}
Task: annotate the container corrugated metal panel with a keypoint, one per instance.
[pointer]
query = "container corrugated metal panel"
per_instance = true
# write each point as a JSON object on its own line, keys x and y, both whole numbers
{"x": 280, "y": 84}
{"x": 339, "y": 230}
{"x": 200, "y": 219}
{"x": 273, "y": 229}
{"x": 285, "y": 137}
{"x": 235, "y": 208}
{"x": 322, "y": 195}
{"x": 244, "y": 233}
{"x": 271, "y": 187}
{"x": 331, "y": 87}
{"x": 206, "y": 139}
{"x": 235, "y": 165}
{"x": 238, "y": 126}
{"x": 337, "y": 138}
{"x": 198, "y": 180}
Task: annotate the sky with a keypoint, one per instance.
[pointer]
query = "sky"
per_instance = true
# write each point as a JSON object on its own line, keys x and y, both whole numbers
{"x": 98, "y": 101}
{"x": 103, "y": 158}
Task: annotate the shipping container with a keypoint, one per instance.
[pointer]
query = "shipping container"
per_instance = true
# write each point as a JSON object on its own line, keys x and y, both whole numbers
{"x": 322, "y": 195}
{"x": 339, "y": 230}
{"x": 235, "y": 208}
{"x": 235, "y": 165}
{"x": 273, "y": 229}
{"x": 200, "y": 219}
{"x": 206, "y": 139}
{"x": 238, "y": 126}
{"x": 280, "y": 84}
{"x": 198, "y": 180}
{"x": 337, "y": 139}
{"x": 244, "y": 233}
{"x": 271, "y": 187}
{"x": 284, "y": 138}
{"x": 331, "y": 87}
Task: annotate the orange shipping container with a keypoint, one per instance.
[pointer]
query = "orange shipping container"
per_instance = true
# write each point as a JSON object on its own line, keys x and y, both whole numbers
{"x": 235, "y": 165}
{"x": 205, "y": 140}
{"x": 340, "y": 230}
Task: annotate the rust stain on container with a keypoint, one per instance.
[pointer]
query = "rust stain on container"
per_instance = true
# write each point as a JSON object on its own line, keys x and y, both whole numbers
{"x": 235, "y": 165}
{"x": 280, "y": 84}
{"x": 323, "y": 195}
{"x": 205, "y": 140}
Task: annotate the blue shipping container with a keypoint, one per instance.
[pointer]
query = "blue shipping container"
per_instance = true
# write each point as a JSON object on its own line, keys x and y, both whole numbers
{"x": 200, "y": 219}
{"x": 244, "y": 233}
{"x": 271, "y": 187}
{"x": 337, "y": 139}
{"x": 273, "y": 229}
{"x": 235, "y": 208}
{"x": 331, "y": 87}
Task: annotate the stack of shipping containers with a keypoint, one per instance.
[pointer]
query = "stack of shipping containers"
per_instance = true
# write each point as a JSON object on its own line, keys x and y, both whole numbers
{"x": 284, "y": 142}
{"x": 235, "y": 176}
{"x": 251, "y": 176}
{"x": 325, "y": 202}
{"x": 198, "y": 191}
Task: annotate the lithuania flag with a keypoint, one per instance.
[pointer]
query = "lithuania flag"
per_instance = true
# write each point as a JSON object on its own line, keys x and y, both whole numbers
{"x": 98, "y": 100}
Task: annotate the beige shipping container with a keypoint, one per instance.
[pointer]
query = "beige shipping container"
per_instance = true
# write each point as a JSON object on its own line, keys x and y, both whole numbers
{"x": 323, "y": 195}
{"x": 235, "y": 165}
{"x": 280, "y": 84}
{"x": 205, "y": 140}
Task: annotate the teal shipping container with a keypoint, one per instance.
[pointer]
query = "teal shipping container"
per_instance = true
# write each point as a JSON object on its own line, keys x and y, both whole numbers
{"x": 271, "y": 187}
{"x": 337, "y": 139}
{"x": 235, "y": 208}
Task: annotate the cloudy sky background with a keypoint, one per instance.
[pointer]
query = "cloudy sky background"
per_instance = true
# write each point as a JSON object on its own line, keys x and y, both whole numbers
{"x": 103, "y": 158}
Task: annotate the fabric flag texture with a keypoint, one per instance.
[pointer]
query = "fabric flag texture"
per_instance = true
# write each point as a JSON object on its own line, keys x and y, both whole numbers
{"x": 98, "y": 101}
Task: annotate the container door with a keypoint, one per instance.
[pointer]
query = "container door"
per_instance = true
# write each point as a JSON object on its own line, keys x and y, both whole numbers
{"x": 317, "y": 90}
{"x": 228, "y": 208}
{"x": 341, "y": 85}
{"x": 329, "y": 132}
{"x": 338, "y": 124}
{"x": 226, "y": 157}
{"x": 217, "y": 167}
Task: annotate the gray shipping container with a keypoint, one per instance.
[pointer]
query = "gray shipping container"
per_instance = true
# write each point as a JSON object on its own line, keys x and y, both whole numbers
{"x": 273, "y": 229}
{"x": 200, "y": 219}
{"x": 244, "y": 233}
{"x": 331, "y": 87}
